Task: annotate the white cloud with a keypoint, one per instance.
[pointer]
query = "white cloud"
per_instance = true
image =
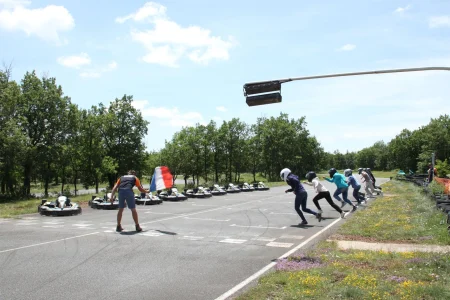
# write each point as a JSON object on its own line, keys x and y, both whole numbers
{"x": 46, "y": 23}
{"x": 221, "y": 108}
{"x": 347, "y": 47}
{"x": 403, "y": 9}
{"x": 172, "y": 116}
{"x": 75, "y": 61}
{"x": 98, "y": 72}
{"x": 439, "y": 21}
{"x": 149, "y": 9}
{"x": 167, "y": 42}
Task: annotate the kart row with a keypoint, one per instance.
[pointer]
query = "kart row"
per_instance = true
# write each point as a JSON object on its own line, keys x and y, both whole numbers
{"x": 63, "y": 206}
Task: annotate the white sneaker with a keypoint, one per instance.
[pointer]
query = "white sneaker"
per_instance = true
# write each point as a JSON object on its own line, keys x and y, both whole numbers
{"x": 344, "y": 214}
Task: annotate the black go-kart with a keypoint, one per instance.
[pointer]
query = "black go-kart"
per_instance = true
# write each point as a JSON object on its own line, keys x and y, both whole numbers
{"x": 104, "y": 203}
{"x": 260, "y": 186}
{"x": 199, "y": 192}
{"x": 231, "y": 188}
{"x": 147, "y": 199}
{"x": 245, "y": 187}
{"x": 172, "y": 195}
{"x": 216, "y": 190}
{"x": 60, "y": 207}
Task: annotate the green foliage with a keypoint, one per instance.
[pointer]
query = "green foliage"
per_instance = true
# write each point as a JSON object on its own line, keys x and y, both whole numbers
{"x": 443, "y": 168}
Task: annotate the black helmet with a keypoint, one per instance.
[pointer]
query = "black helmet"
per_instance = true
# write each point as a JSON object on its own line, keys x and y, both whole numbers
{"x": 332, "y": 171}
{"x": 360, "y": 170}
{"x": 369, "y": 170}
{"x": 310, "y": 175}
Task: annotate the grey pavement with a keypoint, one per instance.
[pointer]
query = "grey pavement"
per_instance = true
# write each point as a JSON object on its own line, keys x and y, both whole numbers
{"x": 196, "y": 249}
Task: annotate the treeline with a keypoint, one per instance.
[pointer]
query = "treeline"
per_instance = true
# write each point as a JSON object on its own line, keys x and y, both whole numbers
{"x": 222, "y": 153}
{"x": 46, "y": 138}
{"x": 409, "y": 150}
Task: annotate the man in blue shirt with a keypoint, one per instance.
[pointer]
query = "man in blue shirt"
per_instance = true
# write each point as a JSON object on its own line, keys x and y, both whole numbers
{"x": 342, "y": 187}
{"x": 354, "y": 184}
{"x": 301, "y": 196}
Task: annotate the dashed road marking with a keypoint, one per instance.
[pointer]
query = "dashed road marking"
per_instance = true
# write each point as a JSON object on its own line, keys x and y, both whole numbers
{"x": 53, "y": 226}
{"x": 264, "y": 239}
{"x": 232, "y": 241}
{"x": 295, "y": 237}
{"x": 280, "y": 245}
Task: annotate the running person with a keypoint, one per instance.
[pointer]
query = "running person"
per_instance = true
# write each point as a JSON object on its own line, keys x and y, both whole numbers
{"x": 368, "y": 186}
{"x": 125, "y": 186}
{"x": 301, "y": 196}
{"x": 342, "y": 187}
{"x": 354, "y": 184}
{"x": 322, "y": 192}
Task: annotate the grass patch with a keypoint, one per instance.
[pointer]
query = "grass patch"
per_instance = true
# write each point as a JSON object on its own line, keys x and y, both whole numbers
{"x": 377, "y": 174}
{"x": 404, "y": 214}
{"x": 56, "y": 188}
{"x": 14, "y": 208}
{"x": 351, "y": 274}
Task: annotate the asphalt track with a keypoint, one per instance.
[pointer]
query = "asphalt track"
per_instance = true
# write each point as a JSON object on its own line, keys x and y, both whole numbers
{"x": 196, "y": 249}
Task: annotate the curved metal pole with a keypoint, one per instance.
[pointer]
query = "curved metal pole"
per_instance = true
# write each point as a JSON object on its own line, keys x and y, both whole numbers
{"x": 358, "y": 73}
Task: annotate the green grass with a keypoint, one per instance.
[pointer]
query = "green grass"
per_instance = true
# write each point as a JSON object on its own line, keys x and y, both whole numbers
{"x": 15, "y": 208}
{"x": 404, "y": 214}
{"x": 353, "y": 274}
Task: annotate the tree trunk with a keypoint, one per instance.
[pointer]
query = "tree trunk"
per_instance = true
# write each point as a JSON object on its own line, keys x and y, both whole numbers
{"x": 75, "y": 183}
{"x": 27, "y": 178}
{"x": 63, "y": 180}
{"x": 96, "y": 184}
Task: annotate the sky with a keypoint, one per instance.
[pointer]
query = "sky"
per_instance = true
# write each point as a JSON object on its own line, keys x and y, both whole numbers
{"x": 185, "y": 62}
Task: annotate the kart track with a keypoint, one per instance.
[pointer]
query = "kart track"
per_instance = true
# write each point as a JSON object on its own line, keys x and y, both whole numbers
{"x": 194, "y": 249}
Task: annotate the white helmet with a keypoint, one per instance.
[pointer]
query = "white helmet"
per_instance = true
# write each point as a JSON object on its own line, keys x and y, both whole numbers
{"x": 284, "y": 173}
{"x": 348, "y": 172}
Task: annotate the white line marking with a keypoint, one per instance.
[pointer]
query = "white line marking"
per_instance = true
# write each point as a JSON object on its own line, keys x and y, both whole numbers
{"x": 192, "y": 238}
{"x": 203, "y": 205}
{"x": 53, "y": 223}
{"x": 108, "y": 231}
{"x": 73, "y": 237}
{"x": 273, "y": 213}
{"x": 264, "y": 239}
{"x": 207, "y": 219}
{"x": 26, "y": 224}
{"x": 82, "y": 225}
{"x": 158, "y": 213}
{"x": 296, "y": 237}
{"x": 271, "y": 265}
{"x": 151, "y": 234}
{"x": 232, "y": 241}
{"x": 259, "y": 226}
{"x": 282, "y": 245}
{"x": 53, "y": 226}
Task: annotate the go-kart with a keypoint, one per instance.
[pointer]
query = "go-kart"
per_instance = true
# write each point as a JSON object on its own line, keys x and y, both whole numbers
{"x": 260, "y": 186}
{"x": 60, "y": 207}
{"x": 104, "y": 203}
{"x": 231, "y": 188}
{"x": 246, "y": 187}
{"x": 199, "y": 192}
{"x": 172, "y": 195}
{"x": 216, "y": 190}
{"x": 147, "y": 199}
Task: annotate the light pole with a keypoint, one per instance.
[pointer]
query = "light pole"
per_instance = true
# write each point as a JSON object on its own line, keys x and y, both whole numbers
{"x": 268, "y": 92}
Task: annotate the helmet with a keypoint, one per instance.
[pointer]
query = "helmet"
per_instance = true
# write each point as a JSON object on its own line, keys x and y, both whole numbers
{"x": 284, "y": 173}
{"x": 332, "y": 171}
{"x": 310, "y": 175}
{"x": 360, "y": 170}
{"x": 348, "y": 172}
{"x": 368, "y": 170}
{"x": 365, "y": 169}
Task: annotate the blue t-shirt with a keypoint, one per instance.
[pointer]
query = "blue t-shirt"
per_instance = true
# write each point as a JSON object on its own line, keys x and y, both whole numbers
{"x": 353, "y": 182}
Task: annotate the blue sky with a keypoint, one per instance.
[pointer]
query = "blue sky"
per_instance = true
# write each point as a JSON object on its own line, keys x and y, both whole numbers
{"x": 186, "y": 61}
